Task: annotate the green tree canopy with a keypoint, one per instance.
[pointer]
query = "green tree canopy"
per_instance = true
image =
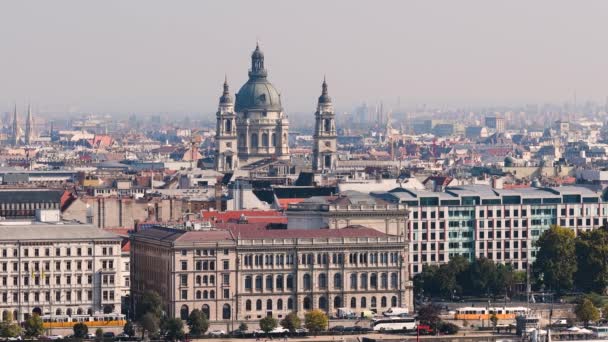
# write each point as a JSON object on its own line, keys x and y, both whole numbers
{"x": 429, "y": 315}
{"x": 197, "y": 322}
{"x": 149, "y": 323}
{"x": 33, "y": 326}
{"x": 316, "y": 321}
{"x": 80, "y": 330}
{"x": 174, "y": 329}
{"x": 556, "y": 261}
{"x": 8, "y": 328}
{"x": 243, "y": 327}
{"x": 592, "y": 258}
{"x": 268, "y": 323}
{"x": 150, "y": 302}
{"x": 291, "y": 322}
{"x": 129, "y": 329}
{"x": 587, "y": 312}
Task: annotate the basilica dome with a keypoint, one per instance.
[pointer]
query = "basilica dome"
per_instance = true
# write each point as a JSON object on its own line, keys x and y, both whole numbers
{"x": 258, "y": 93}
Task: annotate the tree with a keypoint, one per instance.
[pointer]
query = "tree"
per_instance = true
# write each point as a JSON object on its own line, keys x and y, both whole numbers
{"x": 33, "y": 326}
{"x": 605, "y": 312}
{"x": 556, "y": 261}
{"x": 267, "y": 324}
{"x": 291, "y": 322}
{"x": 243, "y": 327}
{"x": 174, "y": 328}
{"x": 316, "y": 321}
{"x": 8, "y": 328}
{"x": 150, "y": 323}
{"x": 592, "y": 258}
{"x": 197, "y": 322}
{"x": 448, "y": 328}
{"x": 587, "y": 312}
{"x": 429, "y": 315}
{"x": 129, "y": 329}
{"x": 150, "y": 302}
{"x": 80, "y": 330}
{"x": 99, "y": 334}
{"x": 494, "y": 320}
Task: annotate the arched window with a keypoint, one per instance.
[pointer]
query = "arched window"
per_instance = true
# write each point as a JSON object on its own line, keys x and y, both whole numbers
{"x": 265, "y": 139}
{"x": 205, "y": 280}
{"x": 198, "y": 294}
{"x": 323, "y": 280}
{"x": 254, "y": 140}
{"x": 248, "y": 283}
{"x": 274, "y": 140}
{"x": 248, "y": 305}
{"x": 205, "y": 294}
{"x": 394, "y": 301}
{"x": 269, "y": 304}
{"x": 258, "y": 283}
{"x": 5, "y": 315}
{"x": 198, "y": 280}
{"x": 226, "y": 311}
{"x": 394, "y": 280}
{"x": 353, "y": 303}
{"x": 279, "y": 282}
{"x": 373, "y": 280}
{"x": 242, "y": 140}
{"x": 289, "y": 284}
{"x": 363, "y": 302}
{"x": 211, "y": 294}
{"x": 353, "y": 281}
{"x": 307, "y": 303}
{"x": 69, "y": 312}
{"x": 307, "y": 283}
{"x": 364, "y": 281}
{"x": 184, "y": 312}
{"x": 384, "y": 281}
{"x": 212, "y": 279}
{"x": 279, "y": 304}
{"x": 327, "y": 125}
{"x": 284, "y": 139}
{"x": 58, "y": 312}
{"x": 383, "y": 302}
{"x": 206, "y": 311}
{"x": 228, "y": 125}
{"x": 337, "y": 302}
{"x": 289, "y": 304}
{"x": 373, "y": 302}
{"x": 269, "y": 282}
{"x": 258, "y": 304}
{"x": 337, "y": 281}
{"x": 322, "y": 303}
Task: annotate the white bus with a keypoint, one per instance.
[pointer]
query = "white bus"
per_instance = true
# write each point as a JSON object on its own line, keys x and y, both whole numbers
{"x": 600, "y": 332}
{"x": 394, "y": 323}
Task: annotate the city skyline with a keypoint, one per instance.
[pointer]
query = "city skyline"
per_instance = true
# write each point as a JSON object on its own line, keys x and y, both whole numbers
{"x": 156, "y": 58}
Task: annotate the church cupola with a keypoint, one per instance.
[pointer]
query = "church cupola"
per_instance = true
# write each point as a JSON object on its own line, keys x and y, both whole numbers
{"x": 257, "y": 63}
{"x": 324, "y": 98}
{"x": 226, "y": 98}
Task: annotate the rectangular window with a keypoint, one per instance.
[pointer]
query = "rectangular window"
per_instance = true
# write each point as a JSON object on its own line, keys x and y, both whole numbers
{"x": 226, "y": 265}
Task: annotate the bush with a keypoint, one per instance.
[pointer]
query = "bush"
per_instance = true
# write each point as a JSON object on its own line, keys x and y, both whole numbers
{"x": 448, "y": 328}
{"x": 80, "y": 330}
{"x": 99, "y": 334}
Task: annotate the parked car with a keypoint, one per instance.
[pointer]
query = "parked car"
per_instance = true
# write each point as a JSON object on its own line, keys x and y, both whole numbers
{"x": 337, "y": 328}
{"x": 216, "y": 333}
{"x": 109, "y": 334}
{"x": 279, "y": 330}
{"x": 301, "y": 331}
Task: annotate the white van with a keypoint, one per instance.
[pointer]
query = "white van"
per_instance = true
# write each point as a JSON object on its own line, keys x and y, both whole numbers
{"x": 396, "y": 312}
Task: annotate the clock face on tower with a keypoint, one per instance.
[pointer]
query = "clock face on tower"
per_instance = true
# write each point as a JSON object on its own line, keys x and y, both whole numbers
{"x": 328, "y": 144}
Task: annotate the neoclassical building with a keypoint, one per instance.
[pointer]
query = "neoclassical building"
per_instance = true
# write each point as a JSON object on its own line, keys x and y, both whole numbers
{"x": 253, "y": 127}
{"x": 247, "y": 273}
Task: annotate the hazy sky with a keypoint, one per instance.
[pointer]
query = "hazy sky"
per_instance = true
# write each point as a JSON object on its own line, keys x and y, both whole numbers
{"x": 171, "y": 56}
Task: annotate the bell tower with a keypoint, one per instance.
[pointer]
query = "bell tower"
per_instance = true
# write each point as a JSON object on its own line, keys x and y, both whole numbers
{"x": 325, "y": 144}
{"x": 226, "y": 156}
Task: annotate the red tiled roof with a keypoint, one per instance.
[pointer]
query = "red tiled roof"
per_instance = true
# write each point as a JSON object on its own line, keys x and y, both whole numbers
{"x": 248, "y": 231}
{"x": 285, "y": 202}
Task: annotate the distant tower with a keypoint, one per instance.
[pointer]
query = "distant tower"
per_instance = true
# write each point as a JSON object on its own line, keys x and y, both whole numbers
{"x": 15, "y": 137}
{"x": 226, "y": 157}
{"x": 324, "y": 146}
{"x": 29, "y": 127}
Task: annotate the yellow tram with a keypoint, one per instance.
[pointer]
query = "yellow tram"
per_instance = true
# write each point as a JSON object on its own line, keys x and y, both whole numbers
{"x": 103, "y": 320}
{"x": 479, "y": 313}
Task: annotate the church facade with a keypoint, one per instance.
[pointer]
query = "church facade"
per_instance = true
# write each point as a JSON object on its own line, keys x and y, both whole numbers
{"x": 253, "y": 128}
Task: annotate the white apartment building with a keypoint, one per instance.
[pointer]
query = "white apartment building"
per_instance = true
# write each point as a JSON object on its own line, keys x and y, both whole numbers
{"x": 58, "y": 269}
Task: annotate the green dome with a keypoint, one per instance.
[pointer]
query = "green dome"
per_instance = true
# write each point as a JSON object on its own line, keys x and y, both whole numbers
{"x": 258, "y": 94}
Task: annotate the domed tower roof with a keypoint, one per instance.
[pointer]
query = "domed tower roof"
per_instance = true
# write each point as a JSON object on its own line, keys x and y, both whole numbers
{"x": 258, "y": 93}
{"x": 226, "y": 98}
{"x": 324, "y": 98}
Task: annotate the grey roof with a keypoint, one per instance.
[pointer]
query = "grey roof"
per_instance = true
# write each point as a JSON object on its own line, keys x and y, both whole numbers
{"x": 61, "y": 232}
{"x": 30, "y": 195}
{"x": 258, "y": 94}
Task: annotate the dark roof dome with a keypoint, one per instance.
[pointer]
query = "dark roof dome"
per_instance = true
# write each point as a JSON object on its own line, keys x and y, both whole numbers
{"x": 324, "y": 98}
{"x": 258, "y": 93}
{"x": 226, "y": 98}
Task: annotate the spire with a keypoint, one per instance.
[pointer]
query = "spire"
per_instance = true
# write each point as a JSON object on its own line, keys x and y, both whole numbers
{"x": 257, "y": 63}
{"x": 226, "y": 98}
{"x": 29, "y": 126}
{"x": 324, "y": 98}
{"x": 15, "y": 137}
